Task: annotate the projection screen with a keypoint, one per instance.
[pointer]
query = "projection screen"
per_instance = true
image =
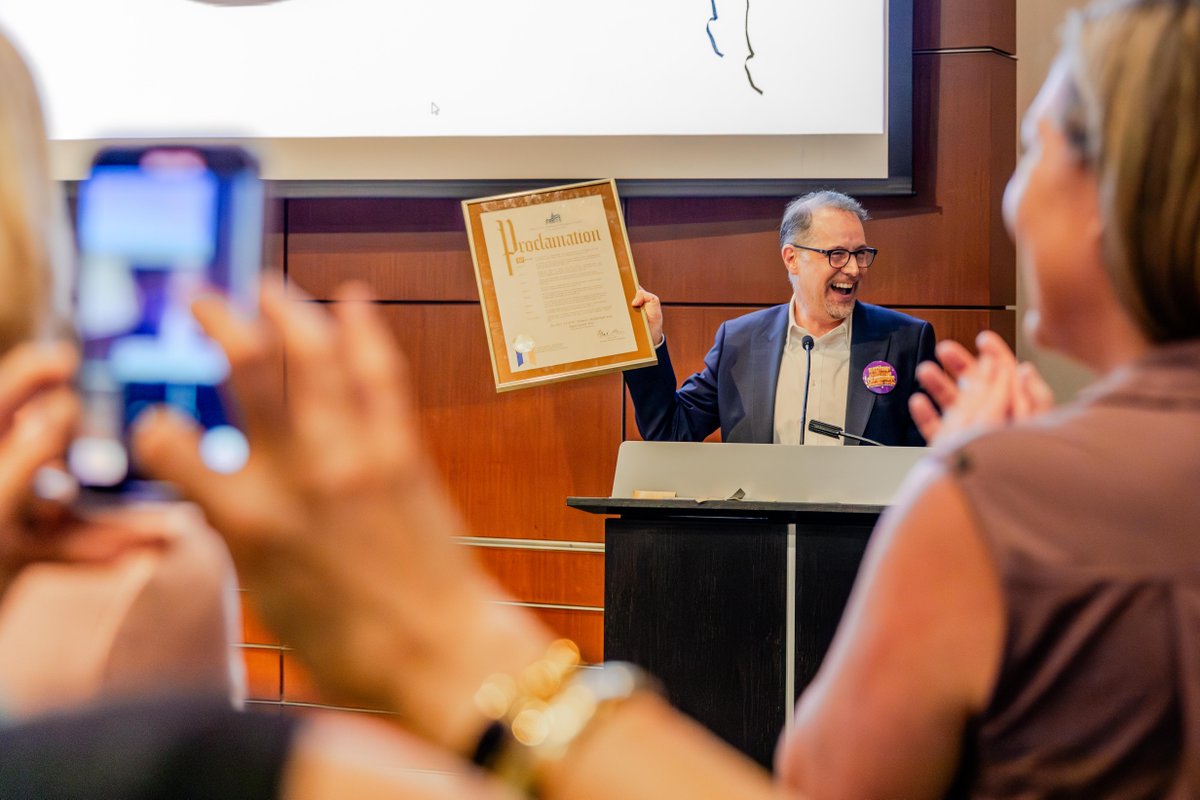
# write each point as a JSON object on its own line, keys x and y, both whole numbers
{"x": 728, "y": 93}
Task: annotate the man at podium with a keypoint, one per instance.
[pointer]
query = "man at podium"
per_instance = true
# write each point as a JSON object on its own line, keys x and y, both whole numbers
{"x": 822, "y": 356}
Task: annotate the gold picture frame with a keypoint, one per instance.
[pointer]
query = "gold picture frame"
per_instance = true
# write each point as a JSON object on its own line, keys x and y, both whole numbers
{"x": 556, "y": 278}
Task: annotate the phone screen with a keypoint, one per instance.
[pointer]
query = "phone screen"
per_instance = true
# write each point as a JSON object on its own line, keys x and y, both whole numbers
{"x": 155, "y": 228}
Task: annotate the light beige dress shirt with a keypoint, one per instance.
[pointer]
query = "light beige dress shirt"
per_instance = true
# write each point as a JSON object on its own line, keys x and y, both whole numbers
{"x": 827, "y": 388}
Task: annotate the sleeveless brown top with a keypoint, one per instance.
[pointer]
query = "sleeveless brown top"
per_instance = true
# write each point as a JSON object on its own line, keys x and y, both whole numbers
{"x": 1092, "y": 514}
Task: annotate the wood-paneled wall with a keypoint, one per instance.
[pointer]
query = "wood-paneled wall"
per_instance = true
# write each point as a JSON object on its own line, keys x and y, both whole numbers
{"x": 511, "y": 460}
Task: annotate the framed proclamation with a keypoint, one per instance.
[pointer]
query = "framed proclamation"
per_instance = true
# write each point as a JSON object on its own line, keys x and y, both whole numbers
{"x": 556, "y": 280}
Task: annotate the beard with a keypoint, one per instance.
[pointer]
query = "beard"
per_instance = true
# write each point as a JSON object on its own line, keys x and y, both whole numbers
{"x": 840, "y": 310}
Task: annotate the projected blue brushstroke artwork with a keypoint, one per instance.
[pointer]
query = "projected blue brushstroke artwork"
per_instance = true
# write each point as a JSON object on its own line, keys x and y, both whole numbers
{"x": 749, "y": 47}
{"x": 708, "y": 29}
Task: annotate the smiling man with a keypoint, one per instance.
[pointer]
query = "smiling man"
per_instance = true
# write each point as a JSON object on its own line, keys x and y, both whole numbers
{"x": 752, "y": 387}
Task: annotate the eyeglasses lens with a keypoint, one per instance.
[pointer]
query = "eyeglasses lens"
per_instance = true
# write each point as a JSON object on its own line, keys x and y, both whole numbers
{"x": 840, "y": 258}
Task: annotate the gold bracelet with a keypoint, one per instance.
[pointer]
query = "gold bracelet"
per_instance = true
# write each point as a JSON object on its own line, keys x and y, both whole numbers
{"x": 501, "y": 694}
{"x": 536, "y": 721}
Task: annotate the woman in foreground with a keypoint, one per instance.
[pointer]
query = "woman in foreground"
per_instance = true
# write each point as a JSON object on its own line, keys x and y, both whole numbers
{"x": 1027, "y": 619}
{"x": 88, "y": 620}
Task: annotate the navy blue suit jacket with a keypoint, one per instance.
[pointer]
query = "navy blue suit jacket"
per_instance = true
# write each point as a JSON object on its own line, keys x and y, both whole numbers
{"x": 736, "y": 389}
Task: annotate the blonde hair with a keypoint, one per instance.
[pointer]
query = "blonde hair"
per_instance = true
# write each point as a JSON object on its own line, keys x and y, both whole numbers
{"x": 1134, "y": 115}
{"x": 29, "y": 208}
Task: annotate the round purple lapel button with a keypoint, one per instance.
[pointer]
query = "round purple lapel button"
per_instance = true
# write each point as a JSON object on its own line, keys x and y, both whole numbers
{"x": 880, "y": 377}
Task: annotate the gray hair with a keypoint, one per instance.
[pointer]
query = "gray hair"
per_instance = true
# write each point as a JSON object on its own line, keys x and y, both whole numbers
{"x": 797, "y": 217}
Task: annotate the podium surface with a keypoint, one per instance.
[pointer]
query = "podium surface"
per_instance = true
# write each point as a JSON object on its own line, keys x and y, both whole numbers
{"x": 733, "y": 603}
{"x": 705, "y": 471}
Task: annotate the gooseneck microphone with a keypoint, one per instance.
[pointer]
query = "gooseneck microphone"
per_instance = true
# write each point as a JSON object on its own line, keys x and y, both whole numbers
{"x": 834, "y": 432}
{"x": 807, "y": 343}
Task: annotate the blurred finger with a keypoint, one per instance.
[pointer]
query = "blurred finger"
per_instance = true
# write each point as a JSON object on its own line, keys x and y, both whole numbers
{"x": 940, "y": 386}
{"x": 255, "y": 358}
{"x": 90, "y": 546}
{"x": 1022, "y": 404}
{"x": 244, "y": 508}
{"x": 1002, "y": 375}
{"x": 1039, "y": 397}
{"x": 319, "y": 396}
{"x": 39, "y": 435}
{"x": 378, "y": 370}
{"x": 956, "y": 360}
{"x": 55, "y": 485}
{"x": 30, "y": 368}
{"x": 78, "y": 543}
{"x": 167, "y": 445}
{"x": 991, "y": 343}
{"x": 926, "y": 417}
{"x": 986, "y": 398}
{"x": 102, "y": 535}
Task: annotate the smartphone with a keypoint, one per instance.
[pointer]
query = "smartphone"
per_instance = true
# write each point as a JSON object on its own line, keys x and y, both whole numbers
{"x": 155, "y": 227}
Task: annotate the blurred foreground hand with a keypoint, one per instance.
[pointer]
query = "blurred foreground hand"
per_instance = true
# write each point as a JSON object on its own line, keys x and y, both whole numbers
{"x": 976, "y": 393}
{"x": 339, "y": 523}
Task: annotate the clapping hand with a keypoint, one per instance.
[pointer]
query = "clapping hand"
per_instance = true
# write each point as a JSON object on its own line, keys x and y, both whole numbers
{"x": 976, "y": 392}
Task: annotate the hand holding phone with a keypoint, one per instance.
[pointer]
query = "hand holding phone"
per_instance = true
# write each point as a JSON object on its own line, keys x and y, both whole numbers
{"x": 156, "y": 227}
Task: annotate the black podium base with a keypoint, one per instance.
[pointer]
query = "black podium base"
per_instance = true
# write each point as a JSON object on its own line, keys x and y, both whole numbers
{"x": 733, "y": 614}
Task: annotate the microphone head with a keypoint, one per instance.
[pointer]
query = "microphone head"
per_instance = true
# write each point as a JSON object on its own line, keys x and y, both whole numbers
{"x": 824, "y": 428}
{"x": 807, "y": 342}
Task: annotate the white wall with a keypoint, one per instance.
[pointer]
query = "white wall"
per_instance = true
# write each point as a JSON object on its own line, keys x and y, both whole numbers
{"x": 1038, "y": 23}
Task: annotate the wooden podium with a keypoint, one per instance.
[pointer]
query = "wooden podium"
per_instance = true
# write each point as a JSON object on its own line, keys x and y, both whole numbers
{"x": 733, "y": 603}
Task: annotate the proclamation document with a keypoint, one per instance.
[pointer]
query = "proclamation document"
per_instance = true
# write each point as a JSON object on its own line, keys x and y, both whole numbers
{"x": 556, "y": 280}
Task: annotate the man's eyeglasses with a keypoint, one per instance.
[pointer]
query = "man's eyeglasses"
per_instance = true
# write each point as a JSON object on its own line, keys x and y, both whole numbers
{"x": 840, "y": 256}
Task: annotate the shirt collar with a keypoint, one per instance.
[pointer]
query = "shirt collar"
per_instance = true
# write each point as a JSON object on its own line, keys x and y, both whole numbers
{"x": 795, "y": 333}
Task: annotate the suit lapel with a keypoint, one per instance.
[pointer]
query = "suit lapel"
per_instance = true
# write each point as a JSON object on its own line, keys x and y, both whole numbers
{"x": 867, "y": 344}
{"x": 766, "y": 352}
